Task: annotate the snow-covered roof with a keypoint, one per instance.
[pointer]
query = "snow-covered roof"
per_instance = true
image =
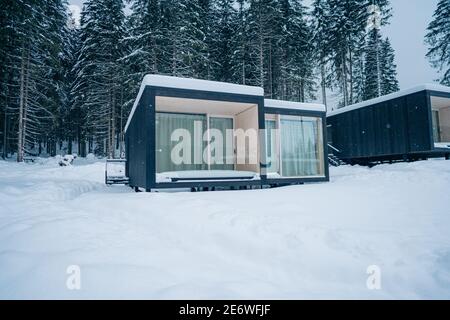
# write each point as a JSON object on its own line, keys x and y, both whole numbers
{"x": 192, "y": 84}
{"x": 294, "y": 105}
{"x": 398, "y": 94}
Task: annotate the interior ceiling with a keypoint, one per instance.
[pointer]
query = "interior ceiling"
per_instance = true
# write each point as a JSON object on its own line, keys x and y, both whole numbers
{"x": 223, "y": 108}
{"x": 440, "y": 102}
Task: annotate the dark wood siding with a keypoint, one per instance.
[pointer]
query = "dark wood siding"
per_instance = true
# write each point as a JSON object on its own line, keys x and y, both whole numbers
{"x": 395, "y": 127}
{"x": 136, "y": 139}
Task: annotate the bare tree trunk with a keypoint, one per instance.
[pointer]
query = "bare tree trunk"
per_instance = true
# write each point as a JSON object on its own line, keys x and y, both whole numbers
{"x": 378, "y": 70}
{"x": 344, "y": 79}
{"x": 323, "y": 84}
{"x": 21, "y": 108}
{"x": 121, "y": 148}
{"x": 261, "y": 52}
{"x": 351, "y": 75}
{"x": 5, "y": 130}
{"x": 107, "y": 146}
{"x": 25, "y": 109}
{"x": 269, "y": 70}
{"x": 302, "y": 90}
{"x": 113, "y": 124}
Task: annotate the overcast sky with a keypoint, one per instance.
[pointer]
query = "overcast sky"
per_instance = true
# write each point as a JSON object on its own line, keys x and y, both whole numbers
{"x": 406, "y": 31}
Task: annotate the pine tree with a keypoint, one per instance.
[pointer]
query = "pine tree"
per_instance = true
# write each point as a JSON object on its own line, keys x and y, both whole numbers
{"x": 263, "y": 21}
{"x": 295, "y": 79}
{"x": 348, "y": 20}
{"x": 209, "y": 22}
{"x": 320, "y": 29}
{"x": 373, "y": 65}
{"x": 389, "y": 82}
{"x": 240, "y": 59}
{"x": 33, "y": 82}
{"x": 184, "y": 41}
{"x": 97, "y": 83}
{"x": 144, "y": 49}
{"x": 223, "y": 45}
{"x": 438, "y": 40}
{"x": 380, "y": 75}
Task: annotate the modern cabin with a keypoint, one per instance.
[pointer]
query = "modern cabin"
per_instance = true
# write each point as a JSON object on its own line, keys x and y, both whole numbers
{"x": 189, "y": 133}
{"x": 407, "y": 125}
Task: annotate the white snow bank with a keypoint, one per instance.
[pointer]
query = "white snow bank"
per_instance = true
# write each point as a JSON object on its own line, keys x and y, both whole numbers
{"x": 310, "y": 241}
{"x": 269, "y": 103}
{"x": 442, "y": 145}
{"x": 398, "y": 94}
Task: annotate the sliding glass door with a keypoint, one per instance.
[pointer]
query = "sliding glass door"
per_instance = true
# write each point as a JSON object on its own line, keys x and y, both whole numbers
{"x": 436, "y": 126}
{"x": 224, "y": 159}
{"x": 296, "y": 148}
{"x": 272, "y": 153}
{"x": 300, "y": 142}
{"x": 166, "y": 124}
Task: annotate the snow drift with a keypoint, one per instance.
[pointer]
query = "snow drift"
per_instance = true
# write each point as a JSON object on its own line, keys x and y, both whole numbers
{"x": 310, "y": 241}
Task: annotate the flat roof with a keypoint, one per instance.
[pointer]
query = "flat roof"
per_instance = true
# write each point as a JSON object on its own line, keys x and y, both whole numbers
{"x": 192, "y": 84}
{"x": 398, "y": 94}
{"x": 203, "y": 85}
{"x": 269, "y": 103}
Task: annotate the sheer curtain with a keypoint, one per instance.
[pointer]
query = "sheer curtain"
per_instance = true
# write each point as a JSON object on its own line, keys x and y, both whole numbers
{"x": 299, "y": 147}
{"x": 271, "y": 146}
{"x": 166, "y": 124}
{"x": 223, "y": 124}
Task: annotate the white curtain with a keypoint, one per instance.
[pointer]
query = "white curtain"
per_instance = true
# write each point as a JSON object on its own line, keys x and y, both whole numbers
{"x": 166, "y": 124}
{"x": 223, "y": 124}
{"x": 271, "y": 147}
{"x": 299, "y": 147}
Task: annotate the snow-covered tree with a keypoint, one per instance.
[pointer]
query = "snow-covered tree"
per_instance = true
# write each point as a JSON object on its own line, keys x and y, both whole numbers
{"x": 32, "y": 54}
{"x": 295, "y": 79}
{"x": 240, "y": 59}
{"x": 98, "y": 75}
{"x": 262, "y": 19}
{"x": 438, "y": 40}
{"x": 373, "y": 68}
{"x": 320, "y": 28}
{"x": 389, "y": 82}
{"x": 223, "y": 45}
{"x": 380, "y": 75}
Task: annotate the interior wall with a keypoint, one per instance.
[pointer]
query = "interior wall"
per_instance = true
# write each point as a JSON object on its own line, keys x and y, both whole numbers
{"x": 249, "y": 120}
{"x": 444, "y": 123}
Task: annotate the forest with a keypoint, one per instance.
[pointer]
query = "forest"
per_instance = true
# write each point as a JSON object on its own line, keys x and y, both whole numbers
{"x": 67, "y": 86}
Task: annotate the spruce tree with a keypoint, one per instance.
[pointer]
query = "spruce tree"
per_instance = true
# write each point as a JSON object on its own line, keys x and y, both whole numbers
{"x": 373, "y": 65}
{"x": 97, "y": 83}
{"x": 438, "y": 40}
{"x": 263, "y": 21}
{"x": 294, "y": 67}
{"x": 240, "y": 59}
{"x": 320, "y": 29}
{"x": 223, "y": 45}
{"x": 389, "y": 82}
{"x": 32, "y": 56}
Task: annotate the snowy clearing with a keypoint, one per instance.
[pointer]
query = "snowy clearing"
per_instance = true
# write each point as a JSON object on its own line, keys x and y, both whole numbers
{"x": 310, "y": 241}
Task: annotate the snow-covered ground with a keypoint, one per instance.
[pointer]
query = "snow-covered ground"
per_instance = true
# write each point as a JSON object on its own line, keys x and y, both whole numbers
{"x": 310, "y": 241}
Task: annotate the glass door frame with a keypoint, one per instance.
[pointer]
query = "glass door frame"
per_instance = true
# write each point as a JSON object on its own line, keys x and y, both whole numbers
{"x": 279, "y": 112}
{"x": 213, "y": 115}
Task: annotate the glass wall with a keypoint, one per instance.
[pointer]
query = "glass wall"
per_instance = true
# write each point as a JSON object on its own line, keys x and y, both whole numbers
{"x": 295, "y": 149}
{"x": 166, "y": 124}
{"x": 225, "y": 159}
{"x": 272, "y": 146}
{"x": 436, "y": 126}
